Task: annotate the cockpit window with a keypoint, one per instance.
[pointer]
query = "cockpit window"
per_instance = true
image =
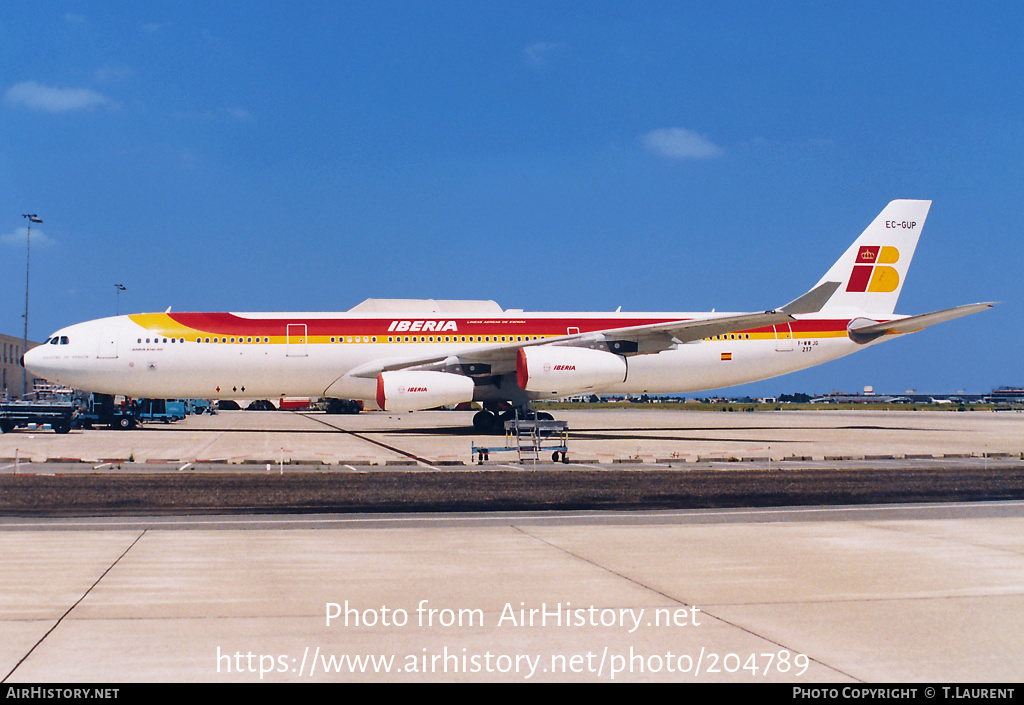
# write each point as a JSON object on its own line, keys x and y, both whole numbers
{"x": 64, "y": 340}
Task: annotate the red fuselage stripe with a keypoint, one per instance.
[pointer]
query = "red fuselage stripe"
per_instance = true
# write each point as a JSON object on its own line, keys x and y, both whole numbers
{"x": 231, "y": 324}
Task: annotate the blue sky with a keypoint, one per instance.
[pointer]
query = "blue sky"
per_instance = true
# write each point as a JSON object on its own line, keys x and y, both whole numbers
{"x": 261, "y": 156}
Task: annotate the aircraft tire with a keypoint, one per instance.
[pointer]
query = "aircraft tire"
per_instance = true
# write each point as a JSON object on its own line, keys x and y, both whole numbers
{"x": 484, "y": 422}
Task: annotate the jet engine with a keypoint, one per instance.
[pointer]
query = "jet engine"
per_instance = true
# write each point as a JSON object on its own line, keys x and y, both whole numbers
{"x": 413, "y": 390}
{"x": 565, "y": 370}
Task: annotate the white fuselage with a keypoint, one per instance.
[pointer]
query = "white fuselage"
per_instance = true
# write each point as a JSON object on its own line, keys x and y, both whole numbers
{"x": 262, "y": 355}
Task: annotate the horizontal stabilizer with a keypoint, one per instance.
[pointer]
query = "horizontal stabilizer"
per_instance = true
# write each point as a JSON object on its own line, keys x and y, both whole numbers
{"x": 862, "y": 330}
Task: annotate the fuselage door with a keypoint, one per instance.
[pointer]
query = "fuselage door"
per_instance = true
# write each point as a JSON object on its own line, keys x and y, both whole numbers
{"x": 297, "y": 340}
{"x": 784, "y": 337}
{"x": 108, "y": 344}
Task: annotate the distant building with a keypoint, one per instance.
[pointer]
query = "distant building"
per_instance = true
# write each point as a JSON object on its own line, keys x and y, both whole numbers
{"x": 10, "y": 366}
{"x": 840, "y": 398}
{"x": 1007, "y": 396}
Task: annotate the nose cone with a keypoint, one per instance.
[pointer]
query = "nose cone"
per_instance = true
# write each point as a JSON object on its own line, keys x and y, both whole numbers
{"x": 59, "y": 357}
{"x": 35, "y": 362}
{"x": 69, "y": 356}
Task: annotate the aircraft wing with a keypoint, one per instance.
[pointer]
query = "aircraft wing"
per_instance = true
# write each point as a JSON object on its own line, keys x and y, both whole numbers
{"x": 863, "y": 330}
{"x": 655, "y": 337}
{"x": 630, "y": 340}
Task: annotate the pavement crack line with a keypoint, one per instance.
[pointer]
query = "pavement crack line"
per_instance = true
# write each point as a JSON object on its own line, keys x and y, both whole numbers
{"x": 72, "y": 607}
{"x": 203, "y": 448}
{"x": 955, "y": 540}
{"x": 381, "y": 444}
{"x": 703, "y": 611}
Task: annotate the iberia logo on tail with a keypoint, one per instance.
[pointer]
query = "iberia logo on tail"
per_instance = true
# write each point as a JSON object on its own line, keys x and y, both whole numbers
{"x": 871, "y": 272}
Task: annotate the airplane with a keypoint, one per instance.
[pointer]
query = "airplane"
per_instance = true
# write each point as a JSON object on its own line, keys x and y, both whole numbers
{"x": 409, "y": 355}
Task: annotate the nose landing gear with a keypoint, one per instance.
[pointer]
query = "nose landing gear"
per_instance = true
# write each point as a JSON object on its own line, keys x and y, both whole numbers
{"x": 494, "y": 422}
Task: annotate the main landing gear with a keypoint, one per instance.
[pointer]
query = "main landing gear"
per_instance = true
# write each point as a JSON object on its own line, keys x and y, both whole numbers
{"x": 494, "y": 422}
{"x": 529, "y": 437}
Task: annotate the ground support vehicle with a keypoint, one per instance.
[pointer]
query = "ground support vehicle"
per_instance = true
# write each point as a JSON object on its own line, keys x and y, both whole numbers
{"x": 102, "y": 410}
{"x": 166, "y": 410}
{"x": 343, "y": 406}
{"x": 198, "y": 407}
{"x": 59, "y": 415}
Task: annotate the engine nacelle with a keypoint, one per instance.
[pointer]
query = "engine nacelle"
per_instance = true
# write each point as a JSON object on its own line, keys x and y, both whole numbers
{"x": 411, "y": 391}
{"x": 565, "y": 370}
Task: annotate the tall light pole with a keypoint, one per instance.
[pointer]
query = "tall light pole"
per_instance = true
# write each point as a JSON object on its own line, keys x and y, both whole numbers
{"x": 32, "y": 218}
{"x": 120, "y": 288}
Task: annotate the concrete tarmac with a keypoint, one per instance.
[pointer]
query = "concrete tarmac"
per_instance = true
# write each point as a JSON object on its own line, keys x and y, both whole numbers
{"x": 930, "y": 594}
{"x": 871, "y": 594}
{"x": 598, "y": 436}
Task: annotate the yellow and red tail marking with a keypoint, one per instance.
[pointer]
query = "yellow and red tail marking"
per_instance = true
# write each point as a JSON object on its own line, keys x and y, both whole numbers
{"x": 871, "y": 272}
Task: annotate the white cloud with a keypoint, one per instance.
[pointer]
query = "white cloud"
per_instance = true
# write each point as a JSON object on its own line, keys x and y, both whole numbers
{"x": 18, "y": 237}
{"x": 36, "y": 96}
{"x": 538, "y": 52}
{"x": 109, "y": 73}
{"x": 241, "y": 114}
{"x": 680, "y": 143}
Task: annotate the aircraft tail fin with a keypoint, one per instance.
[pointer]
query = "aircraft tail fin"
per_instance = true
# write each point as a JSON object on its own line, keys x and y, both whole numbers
{"x": 871, "y": 272}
